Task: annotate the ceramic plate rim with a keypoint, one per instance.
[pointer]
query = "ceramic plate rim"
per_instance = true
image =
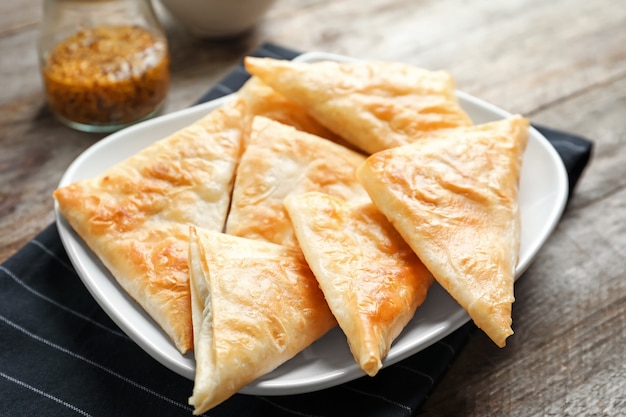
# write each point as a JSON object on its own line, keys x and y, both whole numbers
{"x": 143, "y": 331}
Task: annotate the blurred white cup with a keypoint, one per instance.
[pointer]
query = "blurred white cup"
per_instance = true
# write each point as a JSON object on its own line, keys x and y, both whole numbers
{"x": 217, "y": 18}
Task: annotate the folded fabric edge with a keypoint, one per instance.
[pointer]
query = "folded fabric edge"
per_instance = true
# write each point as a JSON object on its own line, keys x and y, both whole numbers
{"x": 234, "y": 80}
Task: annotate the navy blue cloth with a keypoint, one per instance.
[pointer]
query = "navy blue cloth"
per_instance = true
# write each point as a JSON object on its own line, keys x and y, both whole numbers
{"x": 60, "y": 354}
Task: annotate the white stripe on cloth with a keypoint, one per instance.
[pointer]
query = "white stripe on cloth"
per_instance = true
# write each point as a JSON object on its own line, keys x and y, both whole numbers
{"x": 57, "y": 304}
{"x": 224, "y": 88}
{"x": 44, "y": 394}
{"x": 380, "y": 397}
{"x": 431, "y": 380}
{"x": 288, "y": 410}
{"x": 94, "y": 364}
{"x": 449, "y": 347}
{"x": 53, "y": 255}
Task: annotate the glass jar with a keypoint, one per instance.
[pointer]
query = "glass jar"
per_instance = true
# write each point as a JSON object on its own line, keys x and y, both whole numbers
{"x": 104, "y": 63}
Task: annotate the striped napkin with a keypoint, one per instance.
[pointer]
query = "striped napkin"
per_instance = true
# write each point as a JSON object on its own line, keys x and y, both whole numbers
{"x": 60, "y": 354}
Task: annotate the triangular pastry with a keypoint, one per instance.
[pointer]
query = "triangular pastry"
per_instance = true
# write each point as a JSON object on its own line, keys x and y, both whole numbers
{"x": 255, "y": 305}
{"x": 135, "y": 215}
{"x": 372, "y": 280}
{"x": 263, "y": 100}
{"x": 454, "y": 199}
{"x": 281, "y": 160}
{"x": 372, "y": 105}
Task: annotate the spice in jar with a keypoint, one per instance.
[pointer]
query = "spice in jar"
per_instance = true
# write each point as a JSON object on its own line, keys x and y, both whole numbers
{"x": 107, "y": 75}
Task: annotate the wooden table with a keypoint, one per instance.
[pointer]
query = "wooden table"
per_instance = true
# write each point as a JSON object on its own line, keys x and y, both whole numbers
{"x": 561, "y": 63}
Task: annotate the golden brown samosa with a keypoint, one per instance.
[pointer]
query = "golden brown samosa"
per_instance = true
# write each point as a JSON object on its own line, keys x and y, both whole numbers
{"x": 255, "y": 305}
{"x": 372, "y": 105}
{"x": 372, "y": 280}
{"x": 135, "y": 215}
{"x": 454, "y": 199}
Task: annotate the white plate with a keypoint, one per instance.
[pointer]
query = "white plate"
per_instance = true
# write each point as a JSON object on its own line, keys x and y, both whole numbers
{"x": 328, "y": 362}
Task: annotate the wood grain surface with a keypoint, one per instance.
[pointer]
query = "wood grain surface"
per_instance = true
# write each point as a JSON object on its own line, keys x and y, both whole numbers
{"x": 561, "y": 63}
